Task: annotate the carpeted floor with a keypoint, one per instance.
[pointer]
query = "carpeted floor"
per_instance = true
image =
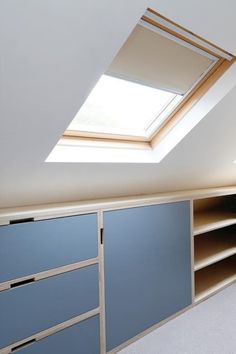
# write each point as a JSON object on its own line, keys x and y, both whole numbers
{"x": 209, "y": 328}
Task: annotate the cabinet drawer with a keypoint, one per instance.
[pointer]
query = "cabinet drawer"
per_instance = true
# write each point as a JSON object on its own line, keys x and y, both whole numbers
{"x": 31, "y": 308}
{"x": 81, "y": 338}
{"x": 32, "y": 247}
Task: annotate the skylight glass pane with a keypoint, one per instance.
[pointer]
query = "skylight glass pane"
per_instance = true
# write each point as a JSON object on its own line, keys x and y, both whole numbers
{"x": 120, "y": 107}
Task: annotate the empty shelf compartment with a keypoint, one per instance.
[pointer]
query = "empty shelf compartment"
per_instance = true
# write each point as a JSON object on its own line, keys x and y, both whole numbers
{"x": 214, "y": 213}
{"x": 214, "y": 246}
{"x": 214, "y": 277}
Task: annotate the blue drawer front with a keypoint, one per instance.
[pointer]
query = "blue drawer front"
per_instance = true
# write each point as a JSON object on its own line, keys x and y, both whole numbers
{"x": 147, "y": 267}
{"x": 82, "y": 338}
{"x": 32, "y": 308}
{"x": 42, "y": 245}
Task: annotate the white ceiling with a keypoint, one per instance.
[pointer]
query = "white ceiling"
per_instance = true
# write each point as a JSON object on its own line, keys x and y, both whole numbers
{"x": 51, "y": 54}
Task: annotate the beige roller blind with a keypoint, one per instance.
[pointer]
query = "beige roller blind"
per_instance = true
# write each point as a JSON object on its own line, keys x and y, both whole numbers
{"x": 148, "y": 57}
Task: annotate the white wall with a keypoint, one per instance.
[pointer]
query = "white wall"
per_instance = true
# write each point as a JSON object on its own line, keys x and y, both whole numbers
{"x": 51, "y": 54}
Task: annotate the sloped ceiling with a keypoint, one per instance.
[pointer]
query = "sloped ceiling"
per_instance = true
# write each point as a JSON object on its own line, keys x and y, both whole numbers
{"x": 52, "y": 52}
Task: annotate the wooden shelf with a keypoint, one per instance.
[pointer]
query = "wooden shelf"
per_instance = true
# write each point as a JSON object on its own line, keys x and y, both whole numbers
{"x": 213, "y": 247}
{"x": 210, "y": 279}
{"x": 212, "y": 220}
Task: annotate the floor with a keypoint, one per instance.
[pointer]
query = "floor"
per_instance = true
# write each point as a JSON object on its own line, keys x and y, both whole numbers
{"x": 208, "y": 328}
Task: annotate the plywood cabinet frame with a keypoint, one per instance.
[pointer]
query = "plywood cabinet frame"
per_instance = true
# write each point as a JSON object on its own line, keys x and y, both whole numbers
{"x": 99, "y": 207}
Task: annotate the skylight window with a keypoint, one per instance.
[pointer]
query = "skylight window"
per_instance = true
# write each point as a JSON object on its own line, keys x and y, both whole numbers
{"x": 154, "y": 72}
{"x": 122, "y": 107}
{"x": 151, "y": 95}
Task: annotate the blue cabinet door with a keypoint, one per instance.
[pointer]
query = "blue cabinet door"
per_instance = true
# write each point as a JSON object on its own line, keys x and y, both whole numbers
{"x": 42, "y": 245}
{"x": 81, "y": 338}
{"x": 147, "y": 267}
{"x": 32, "y": 308}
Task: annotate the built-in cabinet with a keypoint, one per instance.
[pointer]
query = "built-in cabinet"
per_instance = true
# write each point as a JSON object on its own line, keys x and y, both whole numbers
{"x": 90, "y": 278}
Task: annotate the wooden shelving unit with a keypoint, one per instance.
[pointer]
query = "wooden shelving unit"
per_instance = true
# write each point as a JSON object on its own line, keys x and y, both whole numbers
{"x": 214, "y": 244}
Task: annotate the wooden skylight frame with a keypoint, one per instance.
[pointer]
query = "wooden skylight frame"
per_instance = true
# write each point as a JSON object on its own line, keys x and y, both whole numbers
{"x": 225, "y": 60}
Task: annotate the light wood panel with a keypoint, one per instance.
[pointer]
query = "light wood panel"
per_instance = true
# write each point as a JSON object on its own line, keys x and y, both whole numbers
{"x": 210, "y": 279}
{"x": 39, "y": 212}
{"x": 101, "y": 284}
{"x": 213, "y": 247}
{"x": 212, "y": 220}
